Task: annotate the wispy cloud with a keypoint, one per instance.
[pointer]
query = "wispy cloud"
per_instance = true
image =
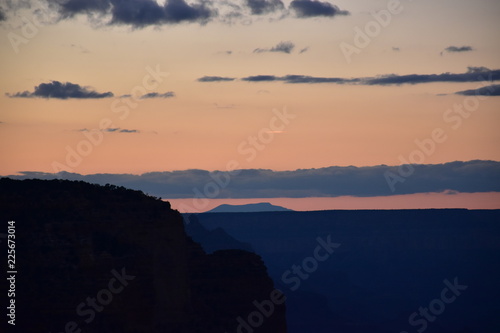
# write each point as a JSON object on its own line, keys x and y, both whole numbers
{"x": 228, "y": 106}
{"x": 283, "y": 47}
{"x": 305, "y": 49}
{"x": 79, "y": 48}
{"x": 112, "y": 130}
{"x": 150, "y": 95}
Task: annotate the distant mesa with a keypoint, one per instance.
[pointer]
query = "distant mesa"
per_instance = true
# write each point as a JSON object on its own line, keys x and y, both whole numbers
{"x": 249, "y": 208}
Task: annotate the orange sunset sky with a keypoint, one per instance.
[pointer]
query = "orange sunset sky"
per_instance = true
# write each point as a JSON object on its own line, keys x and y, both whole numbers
{"x": 202, "y": 125}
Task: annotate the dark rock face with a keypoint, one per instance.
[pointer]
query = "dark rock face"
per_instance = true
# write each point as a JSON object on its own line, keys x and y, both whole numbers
{"x": 249, "y": 284}
{"x": 212, "y": 240}
{"x": 106, "y": 259}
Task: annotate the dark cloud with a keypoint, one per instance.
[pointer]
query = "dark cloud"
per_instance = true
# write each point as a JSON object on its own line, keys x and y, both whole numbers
{"x": 121, "y": 130}
{"x": 312, "y": 79}
{"x": 168, "y": 94}
{"x": 140, "y": 13}
{"x": 113, "y": 130}
{"x": 459, "y": 49}
{"x": 215, "y": 79}
{"x": 3, "y": 17}
{"x": 298, "y": 79}
{"x": 468, "y": 177}
{"x": 396, "y": 49}
{"x": 259, "y": 7}
{"x": 312, "y": 8}
{"x": 479, "y": 70}
{"x": 59, "y": 90}
{"x": 473, "y": 74}
{"x": 261, "y": 78}
{"x": 71, "y": 8}
{"x": 149, "y": 12}
{"x": 129, "y": 131}
{"x": 492, "y": 90}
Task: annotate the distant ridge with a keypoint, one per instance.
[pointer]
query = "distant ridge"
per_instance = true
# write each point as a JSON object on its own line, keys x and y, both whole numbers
{"x": 248, "y": 208}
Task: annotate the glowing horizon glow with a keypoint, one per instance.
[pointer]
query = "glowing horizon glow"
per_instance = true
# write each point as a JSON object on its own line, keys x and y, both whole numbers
{"x": 484, "y": 200}
{"x": 201, "y": 125}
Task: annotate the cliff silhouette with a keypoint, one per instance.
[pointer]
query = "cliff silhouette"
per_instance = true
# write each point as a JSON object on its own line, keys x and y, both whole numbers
{"x": 109, "y": 259}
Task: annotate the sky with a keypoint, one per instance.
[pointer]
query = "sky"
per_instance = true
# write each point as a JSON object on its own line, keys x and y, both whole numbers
{"x": 140, "y": 86}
